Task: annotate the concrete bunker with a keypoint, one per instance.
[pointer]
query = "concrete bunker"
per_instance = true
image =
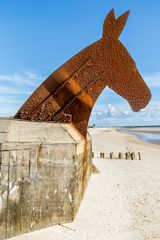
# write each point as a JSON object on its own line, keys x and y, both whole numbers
{"x": 44, "y": 171}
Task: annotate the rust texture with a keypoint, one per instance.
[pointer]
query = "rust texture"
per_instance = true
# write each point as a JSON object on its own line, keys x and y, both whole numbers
{"x": 69, "y": 94}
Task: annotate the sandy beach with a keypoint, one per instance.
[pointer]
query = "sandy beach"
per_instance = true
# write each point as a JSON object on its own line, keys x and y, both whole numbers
{"x": 122, "y": 201}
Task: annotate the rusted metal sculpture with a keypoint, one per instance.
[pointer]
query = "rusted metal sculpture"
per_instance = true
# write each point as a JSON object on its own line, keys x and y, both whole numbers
{"x": 68, "y": 94}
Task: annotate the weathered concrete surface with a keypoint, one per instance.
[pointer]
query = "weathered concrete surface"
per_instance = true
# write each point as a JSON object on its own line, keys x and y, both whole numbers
{"x": 44, "y": 169}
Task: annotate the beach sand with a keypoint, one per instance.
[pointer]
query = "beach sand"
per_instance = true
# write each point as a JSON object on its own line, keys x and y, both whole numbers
{"x": 122, "y": 201}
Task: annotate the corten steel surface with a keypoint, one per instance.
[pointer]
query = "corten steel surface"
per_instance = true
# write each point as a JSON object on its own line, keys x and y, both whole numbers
{"x": 68, "y": 94}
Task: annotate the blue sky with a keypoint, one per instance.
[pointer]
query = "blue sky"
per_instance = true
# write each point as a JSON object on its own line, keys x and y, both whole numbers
{"x": 37, "y": 36}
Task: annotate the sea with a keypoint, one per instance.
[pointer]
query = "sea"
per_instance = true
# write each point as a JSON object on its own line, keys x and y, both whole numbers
{"x": 148, "y": 136}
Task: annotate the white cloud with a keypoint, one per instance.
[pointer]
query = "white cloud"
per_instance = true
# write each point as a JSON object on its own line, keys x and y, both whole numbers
{"x": 11, "y": 90}
{"x": 27, "y": 78}
{"x": 15, "y": 89}
{"x": 152, "y": 80}
{"x": 123, "y": 115}
{"x": 5, "y": 99}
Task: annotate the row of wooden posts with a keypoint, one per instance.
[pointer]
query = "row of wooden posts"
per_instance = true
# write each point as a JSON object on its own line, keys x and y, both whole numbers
{"x": 127, "y": 155}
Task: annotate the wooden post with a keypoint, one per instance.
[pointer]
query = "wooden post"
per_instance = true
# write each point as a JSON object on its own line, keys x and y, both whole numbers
{"x": 111, "y": 155}
{"x": 132, "y": 155}
{"x": 120, "y": 155}
{"x": 101, "y": 155}
{"x": 126, "y": 155}
{"x": 139, "y": 156}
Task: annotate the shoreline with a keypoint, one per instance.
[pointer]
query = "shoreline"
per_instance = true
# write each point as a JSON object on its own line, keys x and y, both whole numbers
{"x": 147, "y": 134}
{"x": 144, "y": 134}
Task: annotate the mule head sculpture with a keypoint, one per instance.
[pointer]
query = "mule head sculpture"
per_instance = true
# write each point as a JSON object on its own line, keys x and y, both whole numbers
{"x": 69, "y": 94}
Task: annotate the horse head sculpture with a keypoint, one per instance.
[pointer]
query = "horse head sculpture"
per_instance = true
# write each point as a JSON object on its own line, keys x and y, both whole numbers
{"x": 69, "y": 94}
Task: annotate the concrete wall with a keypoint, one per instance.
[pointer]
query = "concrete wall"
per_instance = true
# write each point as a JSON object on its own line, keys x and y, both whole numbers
{"x": 44, "y": 169}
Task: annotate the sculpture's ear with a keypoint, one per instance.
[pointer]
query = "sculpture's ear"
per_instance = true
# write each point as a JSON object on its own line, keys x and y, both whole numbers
{"x": 121, "y": 22}
{"x": 109, "y": 25}
{"x": 112, "y": 27}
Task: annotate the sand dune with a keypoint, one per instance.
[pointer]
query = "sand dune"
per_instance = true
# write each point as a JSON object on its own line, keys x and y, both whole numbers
{"x": 122, "y": 201}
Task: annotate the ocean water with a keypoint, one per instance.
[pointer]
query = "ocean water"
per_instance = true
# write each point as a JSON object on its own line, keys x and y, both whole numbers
{"x": 148, "y": 137}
